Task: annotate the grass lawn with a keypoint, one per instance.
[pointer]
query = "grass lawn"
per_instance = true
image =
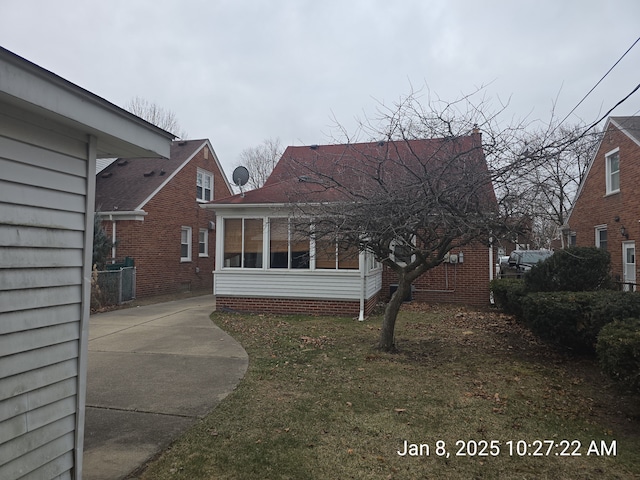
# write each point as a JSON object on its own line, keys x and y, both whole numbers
{"x": 320, "y": 402}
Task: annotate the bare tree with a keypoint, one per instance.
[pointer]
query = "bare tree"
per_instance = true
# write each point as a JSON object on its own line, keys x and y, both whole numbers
{"x": 261, "y": 160}
{"x": 424, "y": 187}
{"x": 545, "y": 189}
{"x": 158, "y": 116}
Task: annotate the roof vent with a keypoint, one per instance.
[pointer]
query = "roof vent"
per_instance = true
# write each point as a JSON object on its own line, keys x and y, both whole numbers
{"x": 304, "y": 178}
{"x": 182, "y": 143}
{"x": 107, "y": 175}
{"x": 381, "y": 143}
{"x": 162, "y": 172}
{"x": 149, "y": 173}
{"x": 122, "y": 163}
{"x": 314, "y": 147}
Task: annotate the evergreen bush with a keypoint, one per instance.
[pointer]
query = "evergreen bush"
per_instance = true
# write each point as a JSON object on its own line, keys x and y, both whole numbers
{"x": 575, "y": 269}
{"x": 619, "y": 351}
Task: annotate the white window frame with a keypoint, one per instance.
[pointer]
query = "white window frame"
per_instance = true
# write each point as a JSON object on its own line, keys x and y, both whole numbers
{"x": 393, "y": 254}
{"x": 610, "y": 173}
{"x": 201, "y": 176}
{"x": 598, "y": 230}
{"x": 188, "y": 232}
{"x": 203, "y": 241}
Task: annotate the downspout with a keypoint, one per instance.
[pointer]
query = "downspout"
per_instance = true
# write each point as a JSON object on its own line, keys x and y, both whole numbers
{"x": 491, "y": 268}
{"x": 83, "y": 341}
{"x": 113, "y": 240}
{"x": 363, "y": 264}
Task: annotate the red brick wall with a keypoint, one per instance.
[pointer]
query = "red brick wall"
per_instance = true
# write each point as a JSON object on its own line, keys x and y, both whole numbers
{"x": 286, "y": 306}
{"x": 594, "y": 207}
{"x": 464, "y": 283}
{"x": 155, "y": 243}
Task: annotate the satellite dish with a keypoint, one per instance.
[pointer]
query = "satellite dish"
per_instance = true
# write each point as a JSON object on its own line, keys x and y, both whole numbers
{"x": 240, "y": 176}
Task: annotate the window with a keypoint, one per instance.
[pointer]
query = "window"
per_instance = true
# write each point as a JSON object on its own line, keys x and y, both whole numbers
{"x": 333, "y": 254}
{"x": 243, "y": 242}
{"x": 403, "y": 251}
{"x": 288, "y": 248}
{"x": 203, "y": 243}
{"x": 601, "y": 237}
{"x": 612, "y": 160}
{"x": 185, "y": 244}
{"x": 204, "y": 182}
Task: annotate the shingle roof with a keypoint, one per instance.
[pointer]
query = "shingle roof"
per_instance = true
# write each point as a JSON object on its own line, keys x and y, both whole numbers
{"x": 629, "y": 125}
{"x": 307, "y": 174}
{"x": 126, "y": 184}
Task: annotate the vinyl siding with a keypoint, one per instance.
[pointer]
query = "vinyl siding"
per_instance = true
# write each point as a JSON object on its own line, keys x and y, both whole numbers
{"x": 329, "y": 285}
{"x": 373, "y": 283}
{"x": 42, "y": 221}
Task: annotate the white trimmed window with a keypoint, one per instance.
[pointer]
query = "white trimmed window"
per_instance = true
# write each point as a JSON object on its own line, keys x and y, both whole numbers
{"x": 185, "y": 244}
{"x": 203, "y": 243}
{"x": 204, "y": 183}
{"x": 243, "y": 242}
{"x": 403, "y": 252}
{"x": 612, "y": 160}
{"x": 601, "y": 237}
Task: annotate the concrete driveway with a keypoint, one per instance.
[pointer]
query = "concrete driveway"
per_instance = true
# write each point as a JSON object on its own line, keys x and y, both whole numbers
{"x": 153, "y": 371}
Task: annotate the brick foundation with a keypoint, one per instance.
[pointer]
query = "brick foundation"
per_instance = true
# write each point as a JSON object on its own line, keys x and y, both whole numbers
{"x": 286, "y": 306}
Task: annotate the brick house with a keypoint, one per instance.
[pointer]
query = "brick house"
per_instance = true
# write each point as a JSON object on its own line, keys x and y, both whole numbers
{"x": 150, "y": 207}
{"x": 605, "y": 213}
{"x": 262, "y": 265}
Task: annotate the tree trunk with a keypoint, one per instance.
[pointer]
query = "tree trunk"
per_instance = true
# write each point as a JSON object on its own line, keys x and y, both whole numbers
{"x": 387, "y": 337}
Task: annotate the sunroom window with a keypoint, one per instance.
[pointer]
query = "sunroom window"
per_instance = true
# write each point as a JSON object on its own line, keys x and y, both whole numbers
{"x": 288, "y": 247}
{"x": 243, "y": 242}
{"x": 333, "y": 254}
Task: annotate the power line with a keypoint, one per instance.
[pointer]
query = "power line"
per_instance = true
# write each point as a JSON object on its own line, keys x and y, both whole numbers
{"x": 600, "y": 81}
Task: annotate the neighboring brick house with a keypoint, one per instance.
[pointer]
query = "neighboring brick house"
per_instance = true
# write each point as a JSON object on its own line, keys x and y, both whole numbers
{"x": 607, "y": 207}
{"x": 151, "y": 207}
{"x": 265, "y": 265}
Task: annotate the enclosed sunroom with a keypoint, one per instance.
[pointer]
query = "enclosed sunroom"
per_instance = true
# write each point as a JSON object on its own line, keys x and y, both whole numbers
{"x": 268, "y": 260}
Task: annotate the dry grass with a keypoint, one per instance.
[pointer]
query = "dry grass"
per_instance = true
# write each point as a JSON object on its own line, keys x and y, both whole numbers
{"x": 319, "y": 402}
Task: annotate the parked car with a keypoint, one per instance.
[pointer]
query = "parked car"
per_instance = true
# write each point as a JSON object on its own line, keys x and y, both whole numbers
{"x": 521, "y": 261}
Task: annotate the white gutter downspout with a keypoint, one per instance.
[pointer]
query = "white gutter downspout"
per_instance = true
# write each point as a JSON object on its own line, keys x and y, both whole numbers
{"x": 113, "y": 239}
{"x": 363, "y": 264}
{"x": 491, "y": 267}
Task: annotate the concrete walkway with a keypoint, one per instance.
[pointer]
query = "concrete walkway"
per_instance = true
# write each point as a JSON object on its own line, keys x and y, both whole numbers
{"x": 153, "y": 371}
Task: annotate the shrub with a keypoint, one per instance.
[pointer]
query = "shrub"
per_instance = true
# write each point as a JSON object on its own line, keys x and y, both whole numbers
{"x": 575, "y": 269}
{"x": 507, "y": 295}
{"x": 574, "y": 319}
{"x": 619, "y": 351}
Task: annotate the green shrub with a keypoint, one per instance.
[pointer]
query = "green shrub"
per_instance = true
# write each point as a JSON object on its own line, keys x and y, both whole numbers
{"x": 619, "y": 351}
{"x": 507, "y": 295}
{"x": 574, "y": 319}
{"x": 575, "y": 269}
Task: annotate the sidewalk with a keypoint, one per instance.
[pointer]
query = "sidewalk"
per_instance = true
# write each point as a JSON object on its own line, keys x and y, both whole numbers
{"x": 153, "y": 372}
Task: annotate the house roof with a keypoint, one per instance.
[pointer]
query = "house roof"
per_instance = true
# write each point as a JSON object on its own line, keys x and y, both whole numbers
{"x": 31, "y": 94}
{"x": 128, "y": 184}
{"x": 628, "y": 125}
{"x": 311, "y": 173}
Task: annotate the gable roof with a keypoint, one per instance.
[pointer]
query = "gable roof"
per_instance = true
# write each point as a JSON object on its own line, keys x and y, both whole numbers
{"x": 128, "y": 184}
{"x": 307, "y": 173}
{"x": 630, "y": 126}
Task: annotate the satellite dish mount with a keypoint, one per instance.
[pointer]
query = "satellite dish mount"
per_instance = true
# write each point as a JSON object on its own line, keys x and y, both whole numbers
{"x": 240, "y": 177}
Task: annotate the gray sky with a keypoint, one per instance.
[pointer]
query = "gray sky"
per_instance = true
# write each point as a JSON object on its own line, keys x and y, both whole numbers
{"x": 240, "y": 71}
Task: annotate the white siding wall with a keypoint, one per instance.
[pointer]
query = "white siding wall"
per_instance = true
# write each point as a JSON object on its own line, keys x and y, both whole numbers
{"x": 374, "y": 283}
{"x": 43, "y": 195}
{"x": 318, "y": 284}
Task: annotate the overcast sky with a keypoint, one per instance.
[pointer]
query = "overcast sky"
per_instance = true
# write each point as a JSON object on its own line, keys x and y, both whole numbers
{"x": 241, "y": 71}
